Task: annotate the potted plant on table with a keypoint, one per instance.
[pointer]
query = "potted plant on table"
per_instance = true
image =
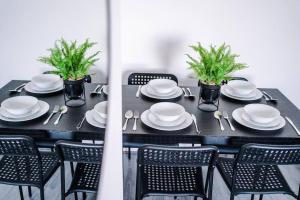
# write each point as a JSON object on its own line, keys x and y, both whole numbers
{"x": 212, "y": 68}
{"x": 72, "y": 64}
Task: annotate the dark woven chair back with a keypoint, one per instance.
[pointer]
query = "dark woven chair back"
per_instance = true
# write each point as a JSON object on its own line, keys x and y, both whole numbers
{"x": 174, "y": 156}
{"x": 260, "y": 154}
{"x": 79, "y": 152}
{"x": 258, "y": 162}
{"x": 144, "y": 78}
{"x": 17, "y": 146}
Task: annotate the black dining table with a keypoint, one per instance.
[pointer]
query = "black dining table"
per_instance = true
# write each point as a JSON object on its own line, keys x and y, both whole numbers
{"x": 210, "y": 133}
{"x": 66, "y": 128}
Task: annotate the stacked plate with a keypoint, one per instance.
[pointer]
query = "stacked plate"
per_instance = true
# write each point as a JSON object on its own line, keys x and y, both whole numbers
{"x": 166, "y": 116}
{"x": 241, "y": 90}
{"x": 44, "y": 84}
{"x": 161, "y": 89}
{"x": 22, "y": 108}
{"x": 97, "y": 117}
{"x": 259, "y": 117}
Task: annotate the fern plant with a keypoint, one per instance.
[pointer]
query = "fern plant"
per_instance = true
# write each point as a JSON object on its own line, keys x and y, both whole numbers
{"x": 215, "y": 64}
{"x": 70, "y": 60}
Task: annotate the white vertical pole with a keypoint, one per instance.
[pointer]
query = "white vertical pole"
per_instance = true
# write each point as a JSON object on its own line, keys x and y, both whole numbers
{"x": 111, "y": 180}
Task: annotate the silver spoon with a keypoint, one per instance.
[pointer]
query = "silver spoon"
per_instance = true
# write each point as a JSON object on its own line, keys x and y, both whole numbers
{"x": 63, "y": 110}
{"x": 218, "y": 115}
{"x": 128, "y": 115}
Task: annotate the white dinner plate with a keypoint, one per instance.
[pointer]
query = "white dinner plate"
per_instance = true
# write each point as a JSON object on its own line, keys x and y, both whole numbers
{"x": 152, "y": 92}
{"x": 261, "y": 113}
{"x": 158, "y": 122}
{"x": 19, "y": 105}
{"x": 46, "y": 81}
{"x": 144, "y": 91}
{"x": 274, "y": 123}
{"x": 90, "y": 119}
{"x": 187, "y": 122}
{"x": 44, "y": 108}
{"x": 257, "y": 94}
{"x": 229, "y": 91}
{"x": 12, "y": 116}
{"x": 237, "y": 116}
{"x": 97, "y": 117}
{"x": 105, "y": 89}
{"x": 30, "y": 88}
{"x": 163, "y": 86}
{"x": 57, "y": 85}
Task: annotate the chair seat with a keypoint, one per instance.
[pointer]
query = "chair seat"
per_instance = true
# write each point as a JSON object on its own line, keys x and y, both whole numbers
{"x": 248, "y": 178}
{"x": 172, "y": 180}
{"x": 14, "y": 170}
{"x": 86, "y": 178}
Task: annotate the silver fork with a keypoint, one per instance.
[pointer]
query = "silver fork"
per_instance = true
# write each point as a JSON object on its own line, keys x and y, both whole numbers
{"x": 195, "y": 122}
{"x": 18, "y": 89}
{"x": 225, "y": 115}
{"x": 137, "y": 95}
{"x": 55, "y": 110}
{"x": 269, "y": 97}
{"x": 136, "y": 116}
{"x": 184, "y": 92}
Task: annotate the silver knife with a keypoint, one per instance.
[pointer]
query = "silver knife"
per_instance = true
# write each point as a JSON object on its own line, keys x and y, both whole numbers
{"x": 293, "y": 125}
{"x": 195, "y": 122}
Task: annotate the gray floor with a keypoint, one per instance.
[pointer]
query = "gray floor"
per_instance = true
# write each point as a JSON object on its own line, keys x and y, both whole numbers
{"x": 52, "y": 190}
{"x": 220, "y": 191}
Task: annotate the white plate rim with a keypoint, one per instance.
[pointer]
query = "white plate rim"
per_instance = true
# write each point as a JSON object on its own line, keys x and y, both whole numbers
{"x": 175, "y": 95}
{"x": 152, "y": 92}
{"x": 258, "y": 96}
{"x": 93, "y": 113}
{"x": 252, "y": 93}
{"x": 246, "y": 118}
{"x": 90, "y": 120}
{"x": 44, "y": 109}
{"x": 29, "y": 89}
{"x": 236, "y": 115}
{"x": 185, "y": 124}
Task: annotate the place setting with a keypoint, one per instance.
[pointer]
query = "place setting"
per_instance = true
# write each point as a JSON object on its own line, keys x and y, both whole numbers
{"x": 259, "y": 117}
{"x": 22, "y": 108}
{"x": 167, "y": 116}
{"x": 160, "y": 89}
{"x": 241, "y": 90}
{"x": 45, "y": 84}
{"x": 96, "y": 117}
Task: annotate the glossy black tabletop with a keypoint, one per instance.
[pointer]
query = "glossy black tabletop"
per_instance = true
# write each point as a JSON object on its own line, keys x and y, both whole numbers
{"x": 208, "y": 125}
{"x": 66, "y": 129}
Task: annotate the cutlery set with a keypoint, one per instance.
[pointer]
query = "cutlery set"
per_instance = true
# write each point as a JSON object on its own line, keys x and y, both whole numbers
{"x": 187, "y": 93}
{"x": 98, "y": 90}
{"x": 17, "y": 89}
{"x": 129, "y": 114}
{"x": 218, "y": 115}
{"x": 269, "y": 98}
{"x": 61, "y": 110}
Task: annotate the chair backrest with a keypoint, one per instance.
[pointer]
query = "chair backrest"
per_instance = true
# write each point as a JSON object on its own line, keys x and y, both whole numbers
{"x": 262, "y": 154}
{"x": 79, "y": 152}
{"x": 144, "y": 78}
{"x": 177, "y": 156}
{"x": 258, "y": 161}
{"x": 22, "y": 157}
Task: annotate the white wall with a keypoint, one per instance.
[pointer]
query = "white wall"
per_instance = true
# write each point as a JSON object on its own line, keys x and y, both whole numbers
{"x": 28, "y": 28}
{"x": 156, "y": 34}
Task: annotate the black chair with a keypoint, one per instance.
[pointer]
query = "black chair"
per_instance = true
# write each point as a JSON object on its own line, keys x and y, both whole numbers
{"x": 87, "y": 172}
{"x": 255, "y": 171}
{"x": 23, "y": 164}
{"x": 175, "y": 171}
{"x": 144, "y": 78}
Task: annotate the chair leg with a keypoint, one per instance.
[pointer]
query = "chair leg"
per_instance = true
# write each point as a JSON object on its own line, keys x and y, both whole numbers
{"x": 298, "y": 193}
{"x": 231, "y": 196}
{"x": 261, "y": 197}
{"x": 83, "y": 195}
{"x": 21, "y": 192}
{"x": 129, "y": 153}
{"x": 195, "y": 198}
{"x": 252, "y": 196}
{"x": 42, "y": 193}
{"x": 29, "y": 191}
{"x": 72, "y": 173}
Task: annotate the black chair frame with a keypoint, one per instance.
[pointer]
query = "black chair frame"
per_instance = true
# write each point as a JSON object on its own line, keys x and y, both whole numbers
{"x": 144, "y": 78}
{"x": 180, "y": 158}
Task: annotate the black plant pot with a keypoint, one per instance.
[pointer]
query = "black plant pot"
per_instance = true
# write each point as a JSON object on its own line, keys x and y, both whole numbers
{"x": 209, "y": 97}
{"x": 74, "y": 92}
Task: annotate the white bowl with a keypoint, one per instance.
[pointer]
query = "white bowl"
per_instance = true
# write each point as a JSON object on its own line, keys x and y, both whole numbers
{"x": 45, "y": 81}
{"x": 241, "y": 87}
{"x": 166, "y": 111}
{"x": 101, "y": 109}
{"x": 19, "y": 105}
{"x": 261, "y": 113}
{"x": 162, "y": 86}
